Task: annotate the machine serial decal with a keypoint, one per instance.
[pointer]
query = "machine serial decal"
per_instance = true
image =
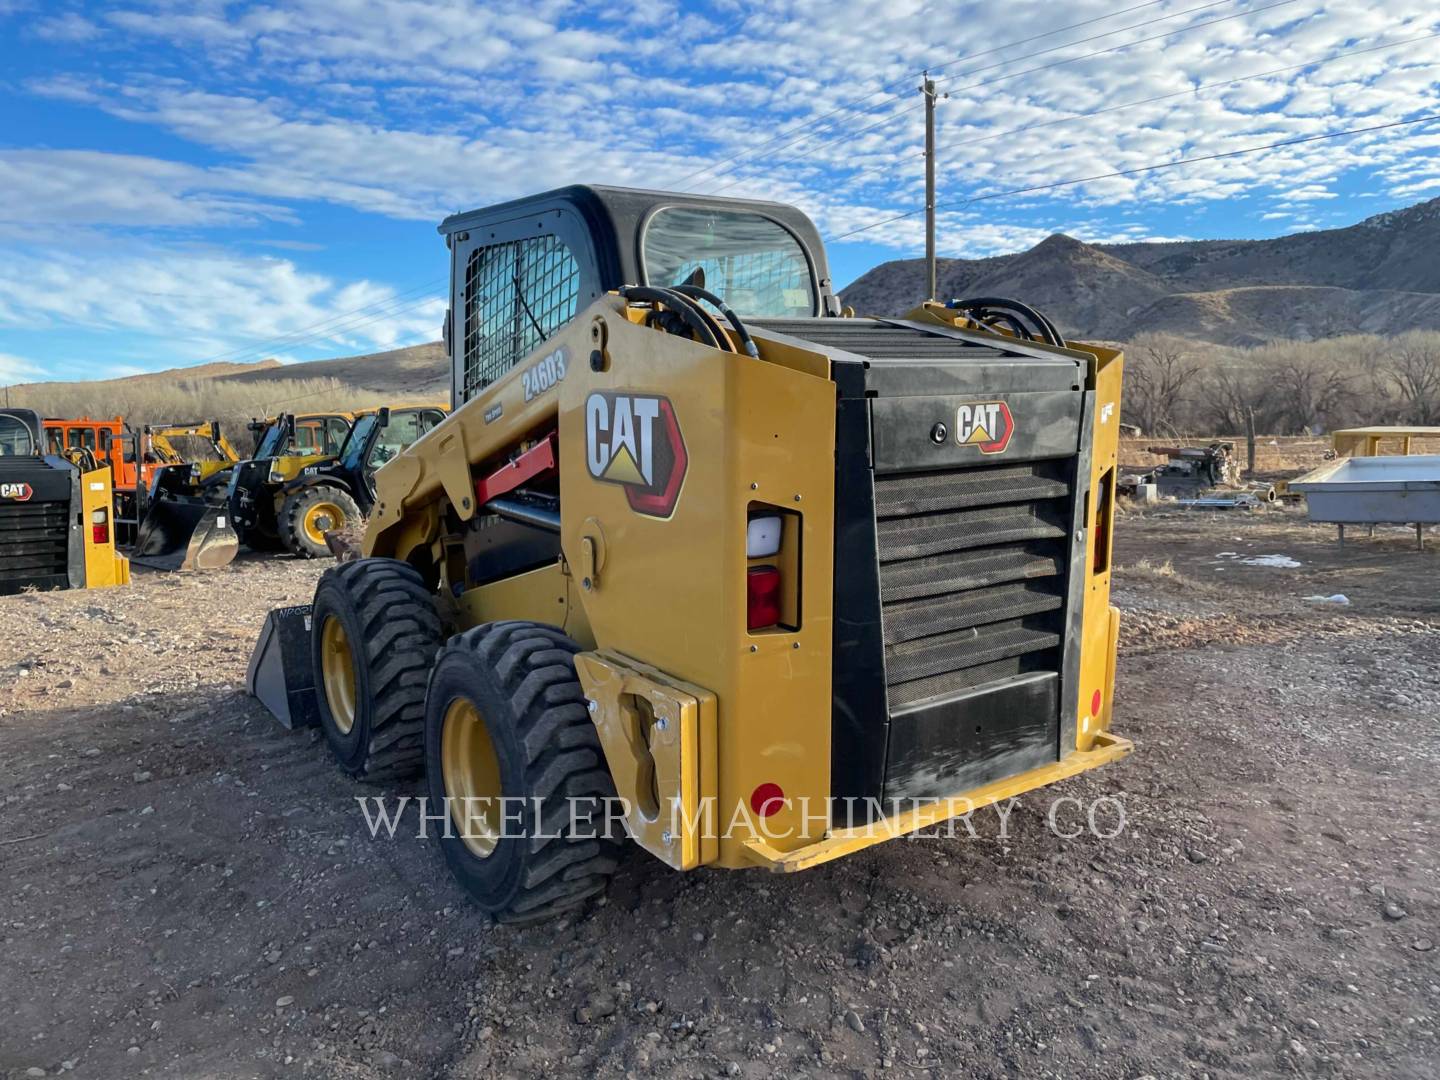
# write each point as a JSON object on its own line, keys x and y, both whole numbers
{"x": 985, "y": 425}
{"x": 16, "y": 492}
{"x": 634, "y": 440}
{"x": 543, "y": 374}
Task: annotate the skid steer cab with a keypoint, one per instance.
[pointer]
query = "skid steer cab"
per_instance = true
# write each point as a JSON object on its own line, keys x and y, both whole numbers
{"x": 695, "y": 556}
{"x": 57, "y": 513}
{"x": 337, "y": 492}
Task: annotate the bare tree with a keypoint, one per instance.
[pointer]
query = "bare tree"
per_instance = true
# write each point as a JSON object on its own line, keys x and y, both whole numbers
{"x": 1412, "y": 365}
{"x": 1159, "y": 369}
{"x": 1311, "y": 392}
{"x": 1232, "y": 390}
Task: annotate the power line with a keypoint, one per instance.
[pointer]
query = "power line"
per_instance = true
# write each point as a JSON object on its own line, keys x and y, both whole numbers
{"x": 338, "y": 385}
{"x": 335, "y": 327}
{"x": 1139, "y": 170}
{"x": 279, "y": 340}
{"x": 975, "y": 71}
{"x": 264, "y": 343}
{"x": 1034, "y": 70}
{"x": 350, "y": 327}
{"x": 1122, "y": 48}
{"x": 855, "y": 106}
{"x": 1317, "y": 62}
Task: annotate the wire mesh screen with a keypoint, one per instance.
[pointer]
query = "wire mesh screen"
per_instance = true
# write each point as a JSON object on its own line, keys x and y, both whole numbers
{"x": 516, "y": 295}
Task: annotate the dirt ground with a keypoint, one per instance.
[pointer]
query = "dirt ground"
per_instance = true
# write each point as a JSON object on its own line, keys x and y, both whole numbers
{"x": 187, "y": 890}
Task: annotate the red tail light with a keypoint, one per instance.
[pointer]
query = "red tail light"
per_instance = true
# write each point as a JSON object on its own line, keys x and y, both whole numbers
{"x": 762, "y": 597}
{"x": 100, "y": 527}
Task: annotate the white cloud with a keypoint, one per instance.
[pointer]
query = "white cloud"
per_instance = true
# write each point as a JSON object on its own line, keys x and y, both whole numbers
{"x": 69, "y": 27}
{"x": 15, "y": 369}
{"x": 414, "y": 109}
{"x": 1309, "y": 193}
{"x": 83, "y": 187}
{"x": 192, "y": 304}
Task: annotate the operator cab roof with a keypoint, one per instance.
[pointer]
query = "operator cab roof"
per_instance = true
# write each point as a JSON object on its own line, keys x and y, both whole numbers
{"x": 630, "y": 236}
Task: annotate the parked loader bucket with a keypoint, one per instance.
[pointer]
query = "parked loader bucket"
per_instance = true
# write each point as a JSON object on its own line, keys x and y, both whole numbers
{"x": 280, "y": 673}
{"x": 186, "y": 533}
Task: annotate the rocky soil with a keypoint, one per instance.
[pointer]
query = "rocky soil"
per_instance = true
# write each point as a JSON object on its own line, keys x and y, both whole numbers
{"x": 188, "y": 890}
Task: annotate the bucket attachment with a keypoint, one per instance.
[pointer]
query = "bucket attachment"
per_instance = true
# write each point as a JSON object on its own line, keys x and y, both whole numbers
{"x": 186, "y": 533}
{"x": 280, "y": 674}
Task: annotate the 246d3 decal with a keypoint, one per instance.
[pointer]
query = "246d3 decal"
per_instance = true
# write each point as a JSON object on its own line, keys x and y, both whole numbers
{"x": 634, "y": 440}
{"x": 543, "y": 374}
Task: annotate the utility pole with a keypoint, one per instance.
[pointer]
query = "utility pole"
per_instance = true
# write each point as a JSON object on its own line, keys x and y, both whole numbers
{"x": 928, "y": 89}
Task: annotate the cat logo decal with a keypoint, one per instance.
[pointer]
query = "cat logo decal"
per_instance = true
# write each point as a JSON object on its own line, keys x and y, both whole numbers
{"x": 985, "y": 425}
{"x": 634, "y": 440}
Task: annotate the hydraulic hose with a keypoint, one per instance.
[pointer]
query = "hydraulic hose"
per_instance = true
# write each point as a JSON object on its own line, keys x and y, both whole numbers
{"x": 698, "y": 322}
{"x": 999, "y": 304}
{"x": 716, "y": 302}
{"x": 722, "y": 339}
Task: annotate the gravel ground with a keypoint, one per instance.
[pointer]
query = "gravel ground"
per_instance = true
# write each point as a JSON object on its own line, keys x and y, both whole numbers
{"x": 187, "y": 890}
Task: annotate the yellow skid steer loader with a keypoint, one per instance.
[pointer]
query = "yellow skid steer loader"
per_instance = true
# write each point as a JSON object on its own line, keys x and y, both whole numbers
{"x": 57, "y": 513}
{"x": 692, "y": 550}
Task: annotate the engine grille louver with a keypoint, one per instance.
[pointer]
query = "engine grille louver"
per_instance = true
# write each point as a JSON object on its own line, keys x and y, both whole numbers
{"x": 34, "y": 543}
{"x": 972, "y": 575}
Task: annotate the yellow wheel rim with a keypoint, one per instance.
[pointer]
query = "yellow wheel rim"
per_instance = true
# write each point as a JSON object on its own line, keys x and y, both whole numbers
{"x": 471, "y": 770}
{"x": 321, "y": 518}
{"x": 337, "y": 671}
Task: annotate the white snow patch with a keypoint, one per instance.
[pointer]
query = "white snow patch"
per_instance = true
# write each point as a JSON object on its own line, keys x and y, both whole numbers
{"x": 1284, "y": 562}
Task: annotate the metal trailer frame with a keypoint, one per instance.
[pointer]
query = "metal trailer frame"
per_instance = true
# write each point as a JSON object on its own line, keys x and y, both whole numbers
{"x": 1366, "y": 441}
{"x": 1385, "y": 490}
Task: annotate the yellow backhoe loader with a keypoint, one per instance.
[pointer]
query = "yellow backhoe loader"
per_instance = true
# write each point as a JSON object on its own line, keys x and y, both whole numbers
{"x": 694, "y": 550}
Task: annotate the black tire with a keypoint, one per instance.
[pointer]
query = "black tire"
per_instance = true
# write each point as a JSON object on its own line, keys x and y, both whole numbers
{"x": 331, "y": 508}
{"x": 520, "y": 677}
{"x": 392, "y": 632}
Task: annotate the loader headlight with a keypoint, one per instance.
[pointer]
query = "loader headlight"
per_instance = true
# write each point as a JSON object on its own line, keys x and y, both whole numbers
{"x": 277, "y": 475}
{"x": 762, "y": 537}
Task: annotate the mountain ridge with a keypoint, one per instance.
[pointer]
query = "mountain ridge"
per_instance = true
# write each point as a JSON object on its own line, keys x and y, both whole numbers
{"x": 1384, "y": 267}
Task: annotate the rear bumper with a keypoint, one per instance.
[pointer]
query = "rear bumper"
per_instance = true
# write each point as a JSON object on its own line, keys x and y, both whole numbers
{"x": 841, "y": 842}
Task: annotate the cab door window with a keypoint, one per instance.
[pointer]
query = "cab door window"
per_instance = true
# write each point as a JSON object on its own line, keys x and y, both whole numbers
{"x": 404, "y": 428}
{"x": 335, "y": 431}
{"x": 307, "y": 436}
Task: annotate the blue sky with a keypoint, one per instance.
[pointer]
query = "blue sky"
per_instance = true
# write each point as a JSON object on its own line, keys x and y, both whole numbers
{"x": 233, "y": 180}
